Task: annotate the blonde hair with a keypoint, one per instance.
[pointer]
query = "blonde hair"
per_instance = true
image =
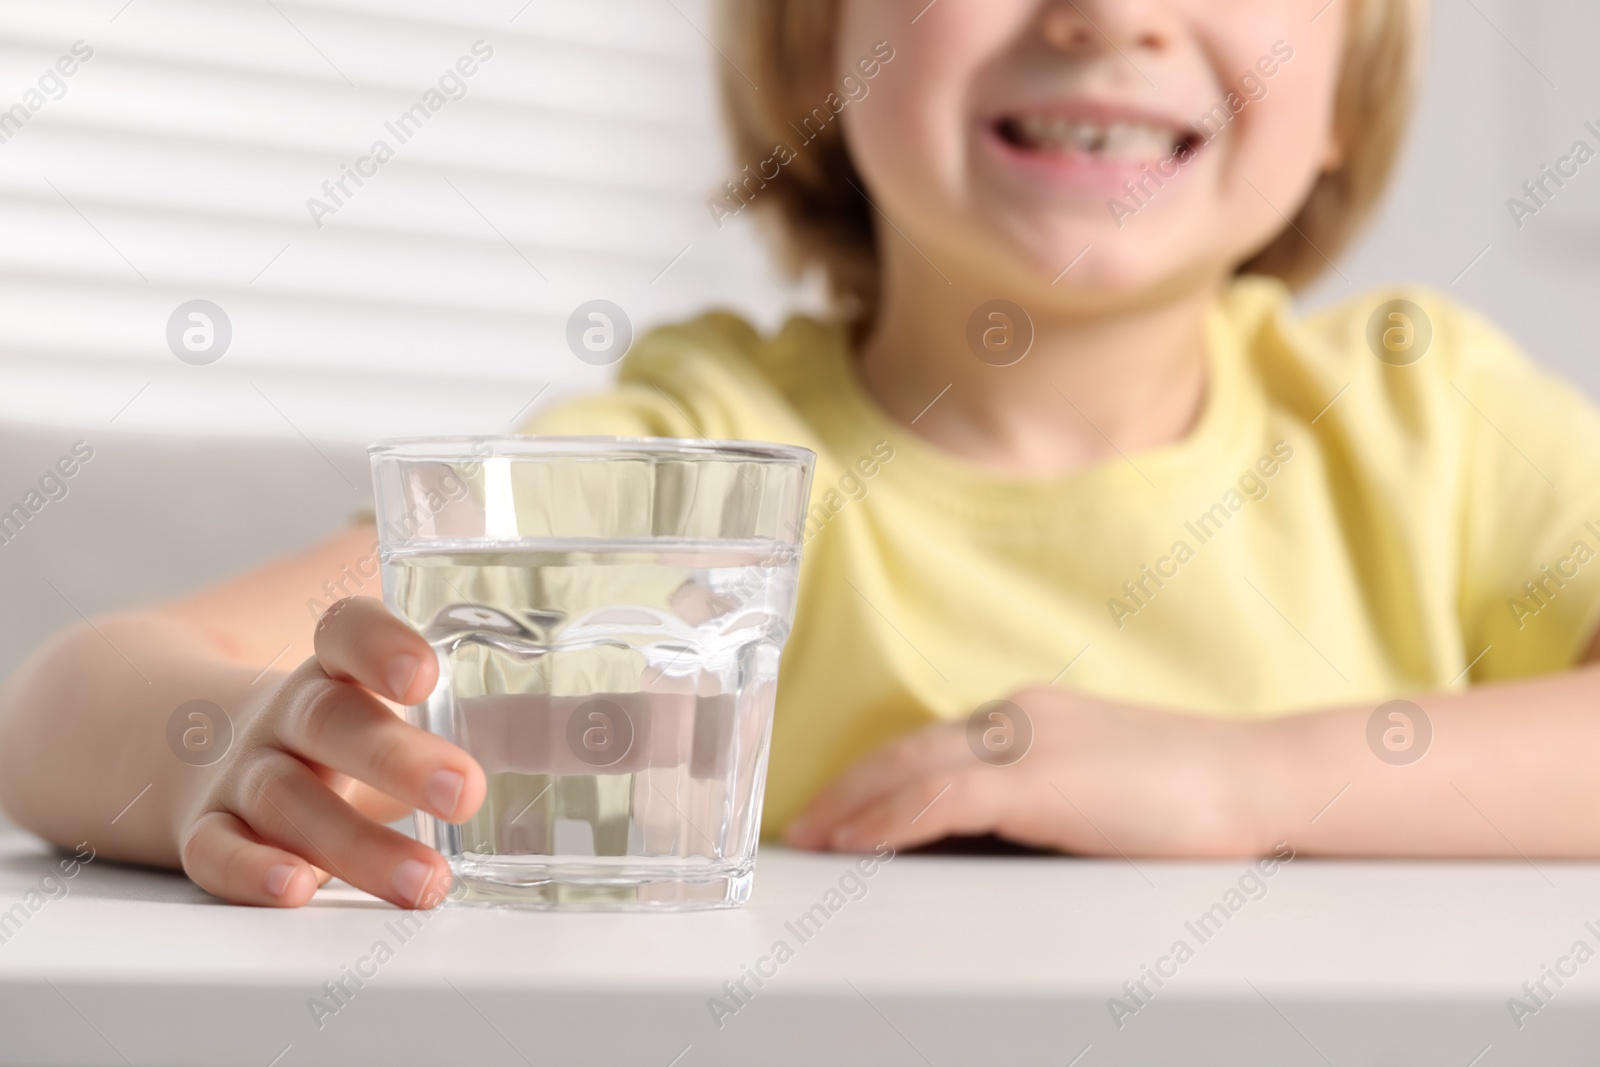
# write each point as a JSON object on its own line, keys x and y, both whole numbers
{"x": 819, "y": 205}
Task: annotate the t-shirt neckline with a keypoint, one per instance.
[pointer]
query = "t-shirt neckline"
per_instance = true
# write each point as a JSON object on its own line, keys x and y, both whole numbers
{"x": 1218, "y": 438}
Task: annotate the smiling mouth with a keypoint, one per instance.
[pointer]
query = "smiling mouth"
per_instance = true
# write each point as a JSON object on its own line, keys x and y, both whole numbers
{"x": 1113, "y": 142}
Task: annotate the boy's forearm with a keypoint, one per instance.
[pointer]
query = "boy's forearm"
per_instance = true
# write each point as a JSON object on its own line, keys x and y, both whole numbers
{"x": 84, "y": 749}
{"x": 1509, "y": 770}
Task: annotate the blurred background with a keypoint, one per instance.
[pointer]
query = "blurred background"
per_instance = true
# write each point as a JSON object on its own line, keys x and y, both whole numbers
{"x": 175, "y": 164}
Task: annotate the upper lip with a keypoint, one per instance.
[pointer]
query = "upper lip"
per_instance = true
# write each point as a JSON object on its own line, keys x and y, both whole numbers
{"x": 1095, "y": 112}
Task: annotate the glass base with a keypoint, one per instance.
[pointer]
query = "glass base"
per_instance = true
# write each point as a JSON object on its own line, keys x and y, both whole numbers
{"x": 580, "y": 886}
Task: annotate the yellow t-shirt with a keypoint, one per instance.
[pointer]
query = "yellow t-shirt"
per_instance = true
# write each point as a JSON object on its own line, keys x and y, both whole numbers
{"x": 1335, "y": 530}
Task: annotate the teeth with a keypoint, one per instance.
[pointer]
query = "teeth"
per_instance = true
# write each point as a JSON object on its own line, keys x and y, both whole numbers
{"x": 1136, "y": 142}
{"x": 1036, "y": 130}
{"x": 1121, "y": 142}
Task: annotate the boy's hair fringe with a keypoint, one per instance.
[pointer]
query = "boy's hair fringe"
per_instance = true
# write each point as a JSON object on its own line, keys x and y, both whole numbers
{"x": 819, "y": 207}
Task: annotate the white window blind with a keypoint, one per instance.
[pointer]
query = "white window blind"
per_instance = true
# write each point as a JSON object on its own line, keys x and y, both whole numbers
{"x": 176, "y": 163}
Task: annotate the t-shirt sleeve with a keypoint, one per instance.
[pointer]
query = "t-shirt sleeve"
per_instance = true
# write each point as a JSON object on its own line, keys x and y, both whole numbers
{"x": 623, "y": 411}
{"x": 694, "y": 379}
{"x": 1530, "y": 580}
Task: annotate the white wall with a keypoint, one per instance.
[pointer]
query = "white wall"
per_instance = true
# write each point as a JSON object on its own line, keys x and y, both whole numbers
{"x": 1509, "y": 88}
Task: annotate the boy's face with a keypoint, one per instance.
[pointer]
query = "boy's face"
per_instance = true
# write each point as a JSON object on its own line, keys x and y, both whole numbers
{"x": 1003, "y": 137}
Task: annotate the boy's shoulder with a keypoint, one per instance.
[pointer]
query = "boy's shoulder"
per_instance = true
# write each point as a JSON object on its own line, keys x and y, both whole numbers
{"x": 721, "y": 359}
{"x": 1396, "y": 327}
{"x": 1400, "y": 339}
{"x": 714, "y": 376}
{"x": 721, "y": 341}
{"x": 1414, "y": 389}
{"x": 1405, "y": 360}
{"x": 715, "y": 332}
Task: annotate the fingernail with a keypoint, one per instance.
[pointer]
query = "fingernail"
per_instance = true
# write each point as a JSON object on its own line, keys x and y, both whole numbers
{"x": 402, "y": 670}
{"x": 279, "y": 875}
{"x": 410, "y": 880}
{"x": 444, "y": 790}
{"x": 797, "y": 832}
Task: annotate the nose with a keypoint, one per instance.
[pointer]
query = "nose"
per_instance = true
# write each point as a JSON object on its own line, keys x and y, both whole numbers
{"x": 1080, "y": 26}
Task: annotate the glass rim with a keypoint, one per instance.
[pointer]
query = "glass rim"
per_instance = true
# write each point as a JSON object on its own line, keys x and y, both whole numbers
{"x": 535, "y": 447}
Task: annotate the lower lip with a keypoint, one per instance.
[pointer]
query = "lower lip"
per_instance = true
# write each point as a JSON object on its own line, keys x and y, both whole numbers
{"x": 1076, "y": 171}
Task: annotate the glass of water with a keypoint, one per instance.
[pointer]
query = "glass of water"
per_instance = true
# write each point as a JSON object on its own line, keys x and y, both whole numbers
{"x": 608, "y": 615}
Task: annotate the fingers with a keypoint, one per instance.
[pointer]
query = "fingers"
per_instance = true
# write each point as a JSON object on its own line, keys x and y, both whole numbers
{"x": 897, "y": 763}
{"x": 375, "y": 804}
{"x": 285, "y": 824}
{"x": 359, "y": 640}
{"x": 290, "y": 808}
{"x": 931, "y": 807}
{"x": 224, "y": 857}
{"x": 345, "y": 728}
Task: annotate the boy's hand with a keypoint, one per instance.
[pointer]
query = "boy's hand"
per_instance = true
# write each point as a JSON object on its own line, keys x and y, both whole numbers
{"x": 289, "y": 804}
{"x": 1098, "y": 778}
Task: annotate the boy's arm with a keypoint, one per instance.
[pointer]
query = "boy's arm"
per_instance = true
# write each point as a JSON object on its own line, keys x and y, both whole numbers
{"x": 83, "y": 732}
{"x": 1510, "y": 770}
{"x": 83, "y": 721}
{"x": 84, "y": 746}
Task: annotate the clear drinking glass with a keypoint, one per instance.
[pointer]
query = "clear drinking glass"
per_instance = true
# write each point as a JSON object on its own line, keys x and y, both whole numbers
{"x": 608, "y": 615}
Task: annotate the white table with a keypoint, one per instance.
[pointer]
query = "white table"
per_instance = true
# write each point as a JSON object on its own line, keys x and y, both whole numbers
{"x": 944, "y": 960}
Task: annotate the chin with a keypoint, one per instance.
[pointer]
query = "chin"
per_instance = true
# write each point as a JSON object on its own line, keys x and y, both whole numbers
{"x": 1049, "y": 258}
